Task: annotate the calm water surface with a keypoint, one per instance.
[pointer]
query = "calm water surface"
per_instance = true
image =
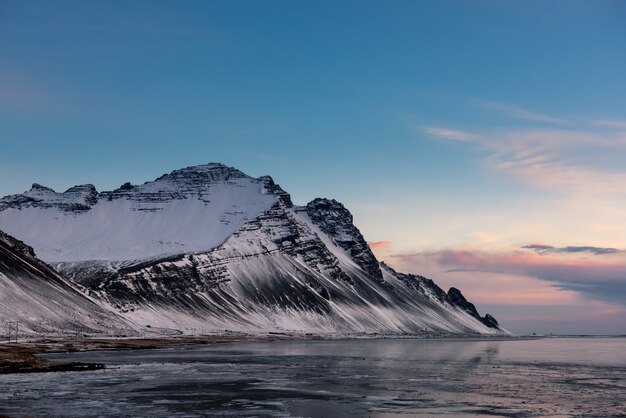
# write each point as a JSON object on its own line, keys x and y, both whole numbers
{"x": 550, "y": 377}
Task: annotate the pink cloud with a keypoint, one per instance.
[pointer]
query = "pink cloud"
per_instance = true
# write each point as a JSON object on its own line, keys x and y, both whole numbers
{"x": 379, "y": 245}
{"x": 380, "y": 248}
{"x": 591, "y": 272}
{"x": 484, "y": 286}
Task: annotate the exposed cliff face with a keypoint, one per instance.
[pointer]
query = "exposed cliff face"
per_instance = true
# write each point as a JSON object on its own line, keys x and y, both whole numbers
{"x": 419, "y": 283}
{"x": 276, "y": 190}
{"x": 211, "y": 248}
{"x": 40, "y": 301}
{"x": 336, "y": 222}
{"x": 456, "y": 298}
{"x": 15, "y": 246}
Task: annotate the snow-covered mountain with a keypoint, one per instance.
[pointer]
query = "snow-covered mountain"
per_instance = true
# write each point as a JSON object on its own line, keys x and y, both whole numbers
{"x": 186, "y": 211}
{"x": 210, "y": 248}
{"x": 37, "y": 300}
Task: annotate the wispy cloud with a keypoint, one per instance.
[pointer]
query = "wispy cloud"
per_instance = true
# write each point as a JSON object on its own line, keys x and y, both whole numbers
{"x": 519, "y": 113}
{"x": 611, "y": 123}
{"x": 451, "y": 134}
{"x": 484, "y": 286}
{"x": 556, "y": 159}
{"x": 548, "y": 249}
{"x": 597, "y": 278}
{"x": 548, "y": 173}
{"x": 551, "y": 159}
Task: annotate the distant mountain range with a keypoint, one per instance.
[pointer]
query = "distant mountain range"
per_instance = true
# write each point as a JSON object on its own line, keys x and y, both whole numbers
{"x": 209, "y": 248}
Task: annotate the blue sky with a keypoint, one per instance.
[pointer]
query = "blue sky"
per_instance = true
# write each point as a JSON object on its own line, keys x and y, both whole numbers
{"x": 446, "y": 127}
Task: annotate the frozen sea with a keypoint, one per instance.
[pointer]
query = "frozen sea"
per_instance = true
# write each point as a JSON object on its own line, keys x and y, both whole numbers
{"x": 548, "y": 377}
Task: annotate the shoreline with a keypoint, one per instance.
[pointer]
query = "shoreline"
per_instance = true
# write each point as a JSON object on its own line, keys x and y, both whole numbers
{"x": 22, "y": 357}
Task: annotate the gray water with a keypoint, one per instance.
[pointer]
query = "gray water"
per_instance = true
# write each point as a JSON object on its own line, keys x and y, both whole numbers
{"x": 377, "y": 378}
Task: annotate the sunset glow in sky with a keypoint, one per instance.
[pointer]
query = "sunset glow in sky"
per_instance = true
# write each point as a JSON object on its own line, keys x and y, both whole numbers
{"x": 480, "y": 143}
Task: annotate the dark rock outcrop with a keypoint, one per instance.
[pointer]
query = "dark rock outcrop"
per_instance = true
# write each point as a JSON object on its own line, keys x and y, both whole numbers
{"x": 275, "y": 189}
{"x": 419, "y": 283}
{"x": 336, "y": 221}
{"x": 456, "y": 298}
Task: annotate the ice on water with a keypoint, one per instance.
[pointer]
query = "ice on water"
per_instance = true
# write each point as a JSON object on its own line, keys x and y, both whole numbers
{"x": 378, "y": 377}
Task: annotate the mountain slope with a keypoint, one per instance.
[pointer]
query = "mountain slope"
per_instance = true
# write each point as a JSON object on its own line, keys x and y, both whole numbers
{"x": 211, "y": 248}
{"x": 42, "y": 302}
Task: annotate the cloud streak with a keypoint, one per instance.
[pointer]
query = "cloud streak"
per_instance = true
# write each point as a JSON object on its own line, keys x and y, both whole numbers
{"x": 558, "y": 160}
{"x": 598, "y": 277}
{"x": 548, "y": 249}
{"x": 611, "y": 123}
{"x": 450, "y": 134}
{"x": 519, "y": 113}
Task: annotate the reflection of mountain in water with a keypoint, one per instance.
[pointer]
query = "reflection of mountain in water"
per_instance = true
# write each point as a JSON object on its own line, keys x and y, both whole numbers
{"x": 388, "y": 377}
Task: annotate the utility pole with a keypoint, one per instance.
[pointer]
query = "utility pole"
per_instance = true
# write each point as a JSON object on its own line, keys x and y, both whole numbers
{"x": 13, "y": 328}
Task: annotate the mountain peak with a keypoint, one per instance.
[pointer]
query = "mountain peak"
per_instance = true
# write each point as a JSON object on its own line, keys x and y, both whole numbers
{"x": 39, "y": 187}
{"x": 208, "y": 172}
{"x": 83, "y": 194}
{"x": 273, "y": 188}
